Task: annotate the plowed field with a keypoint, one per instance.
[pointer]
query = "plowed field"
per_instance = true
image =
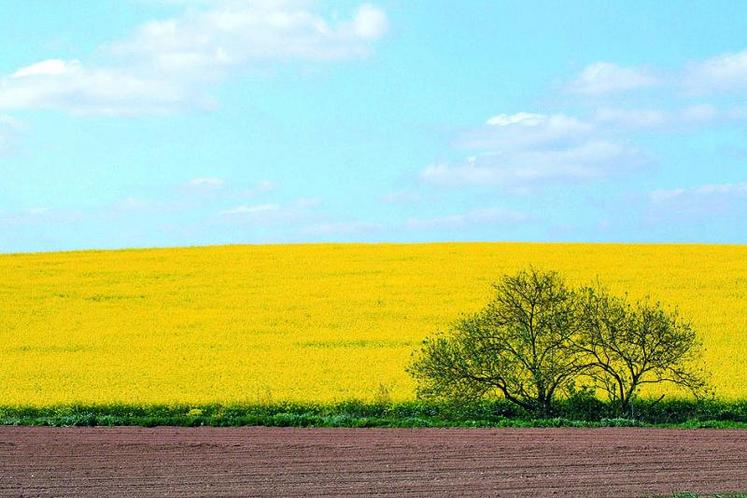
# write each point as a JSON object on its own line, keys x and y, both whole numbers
{"x": 278, "y": 461}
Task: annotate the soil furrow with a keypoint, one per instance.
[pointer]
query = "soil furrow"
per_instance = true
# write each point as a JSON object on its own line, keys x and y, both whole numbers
{"x": 254, "y": 461}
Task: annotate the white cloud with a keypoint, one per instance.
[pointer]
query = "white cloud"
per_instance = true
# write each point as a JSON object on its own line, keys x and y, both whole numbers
{"x": 206, "y": 182}
{"x": 291, "y": 213}
{"x": 694, "y": 114}
{"x": 526, "y": 149}
{"x": 718, "y": 189}
{"x": 525, "y": 129}
{"x": 490, "y": 216}
{"x": 168, "y": 65}
{"x": 603, "y": 78}
{"x": 50, "y": 67}
{"x": 370, "y": 22}
{"x": 209, "y": 194}
{"x": 69, "y": 86}
{"x": 522, "y": 118}
{"x": 724, "y": 72}
{"x": 254, "y": 209}
{"x": 703, "y": 200}
{"x": 578, "y": 163}
{"x": 234, "y": 34}
{"x": 203, "y": 192}
{"x": 632, "y": 118}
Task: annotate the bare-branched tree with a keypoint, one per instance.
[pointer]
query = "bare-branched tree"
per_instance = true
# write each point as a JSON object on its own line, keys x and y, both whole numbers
{"x": 629, "y": 345}
{"x": 522, "y": 346}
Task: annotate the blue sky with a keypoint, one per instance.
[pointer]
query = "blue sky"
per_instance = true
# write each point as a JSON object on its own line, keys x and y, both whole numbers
{"x": 138, "y": 123}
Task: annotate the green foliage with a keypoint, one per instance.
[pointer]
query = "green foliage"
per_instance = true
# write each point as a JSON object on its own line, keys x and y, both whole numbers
{"x": 520, "y": 346}
{"x": 577, "y": 411}
{"x": 627, "y": 345}
{"x": 538, "y": 337}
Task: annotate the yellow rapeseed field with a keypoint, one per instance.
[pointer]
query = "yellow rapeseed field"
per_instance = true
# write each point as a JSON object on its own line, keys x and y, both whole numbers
{"x": 306, "y": 322}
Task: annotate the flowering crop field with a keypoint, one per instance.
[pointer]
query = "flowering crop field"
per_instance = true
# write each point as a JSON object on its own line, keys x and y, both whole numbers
{"x": 310, "y": 323}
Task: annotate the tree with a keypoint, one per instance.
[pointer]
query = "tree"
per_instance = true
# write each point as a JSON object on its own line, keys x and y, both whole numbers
{"x": 629, "y": 345}
{"x": 522, "y": 346}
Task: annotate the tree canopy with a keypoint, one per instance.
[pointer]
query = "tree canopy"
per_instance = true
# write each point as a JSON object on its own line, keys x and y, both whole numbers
{"x": 539, "y": 337}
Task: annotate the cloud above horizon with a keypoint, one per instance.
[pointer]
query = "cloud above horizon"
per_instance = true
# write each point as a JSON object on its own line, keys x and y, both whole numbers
{"x": 599, "y": 142}
{"x": 158, "y": 122}
{"x": 721, "y": 73}
{"x": 530, "y": 149}
{"x": 699, "y": 201}
{"x": 601, "y": 78}
{"x": 170, "y": 64}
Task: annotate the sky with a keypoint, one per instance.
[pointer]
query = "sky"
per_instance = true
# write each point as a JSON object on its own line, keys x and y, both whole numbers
{"x": 140, "y": 123}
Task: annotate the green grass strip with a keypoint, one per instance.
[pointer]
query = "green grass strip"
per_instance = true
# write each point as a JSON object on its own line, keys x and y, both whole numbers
{"x": 498, "y": 413}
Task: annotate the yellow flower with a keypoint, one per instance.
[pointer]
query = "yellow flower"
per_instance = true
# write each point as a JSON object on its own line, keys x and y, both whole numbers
{"x": 315, "y": 323}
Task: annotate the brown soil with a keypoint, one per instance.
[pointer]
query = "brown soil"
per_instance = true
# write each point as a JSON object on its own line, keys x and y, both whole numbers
{"x": 276, "y": 461}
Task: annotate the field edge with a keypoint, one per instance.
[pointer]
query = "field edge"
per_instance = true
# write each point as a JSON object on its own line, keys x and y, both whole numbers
{"x": 495, "y": 413}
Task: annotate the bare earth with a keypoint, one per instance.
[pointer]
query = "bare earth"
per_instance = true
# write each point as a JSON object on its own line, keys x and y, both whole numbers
{"x": 170, "y": 461}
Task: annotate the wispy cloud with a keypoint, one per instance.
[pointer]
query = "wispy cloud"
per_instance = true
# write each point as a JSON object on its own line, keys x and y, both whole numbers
{"x": 250, "y": 210}
{"x": 717, "y": 190}
{"x": 525, "y": 129}
{"x": 206, "y": 183}
{"x": 203, "y": 192}
{"x": 632, "y": 118}
{"x": 693, "y": 115}
{"x": 721, "y": 73}
{"x": 726, "y": 72}
{"x": 70, "y": 86}
{"x": 602, "y": 78}
{"x": 169, "y": 64}
{"x": 233, "y": 34}
{"x": 578, "y": 163}
{"x": 704, "y": 200}
{"x": 528, "y": 149}
{"x": 301, "y": 210}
